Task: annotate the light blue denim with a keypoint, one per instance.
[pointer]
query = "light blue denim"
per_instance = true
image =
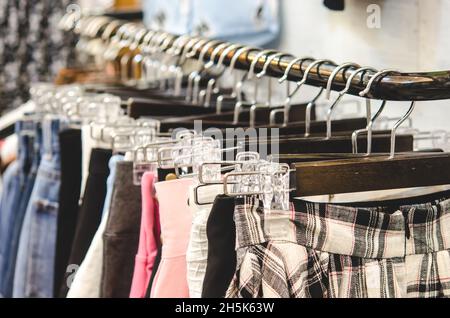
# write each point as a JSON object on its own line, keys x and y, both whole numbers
{"x": 110, "y": 182}
{"x": 12, "y": 198}
{"x": 10, "y": 190}
{"x": 251, "y": 22}
{"x": 32, "y": 154}
{"x": 34, "y": 272}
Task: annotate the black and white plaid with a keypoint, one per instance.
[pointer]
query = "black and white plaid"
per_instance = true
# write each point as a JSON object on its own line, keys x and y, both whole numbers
{"x": 324, "y": 250}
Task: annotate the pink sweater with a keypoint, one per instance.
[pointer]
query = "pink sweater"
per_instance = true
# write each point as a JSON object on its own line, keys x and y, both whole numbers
{"x": 176, "y": 221}
{"x": 149, "y": 238}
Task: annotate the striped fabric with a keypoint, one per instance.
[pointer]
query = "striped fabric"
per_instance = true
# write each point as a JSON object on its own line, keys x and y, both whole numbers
{"x": 331, "y": 251}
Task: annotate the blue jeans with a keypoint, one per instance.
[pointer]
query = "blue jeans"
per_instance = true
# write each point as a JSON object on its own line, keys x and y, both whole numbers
{"x": 17, "y": 183}
{"x": 27, "y": 178}
{"x": 35, "y": 260}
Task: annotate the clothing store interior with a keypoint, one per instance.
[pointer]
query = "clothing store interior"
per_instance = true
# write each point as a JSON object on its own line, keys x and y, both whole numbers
{"x": 225, "y": 149}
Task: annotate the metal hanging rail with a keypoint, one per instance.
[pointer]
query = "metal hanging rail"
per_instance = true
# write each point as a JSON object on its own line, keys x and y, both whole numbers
{"x": 394, "y": 86}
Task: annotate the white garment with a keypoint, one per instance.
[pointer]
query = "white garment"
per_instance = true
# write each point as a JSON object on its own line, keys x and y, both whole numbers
{"x": 197, "y": 252}
{"x": 86, "y": 283}
{"x": 87, "y": 280}
{"x": 10, "y": 148}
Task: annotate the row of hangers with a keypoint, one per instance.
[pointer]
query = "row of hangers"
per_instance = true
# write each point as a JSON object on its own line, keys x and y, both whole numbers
{"x": 183, "y": 78}
{"x": 398, "y": 86}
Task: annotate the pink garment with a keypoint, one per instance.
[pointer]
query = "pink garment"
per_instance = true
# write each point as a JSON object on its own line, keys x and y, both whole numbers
{"x": 176, "y": 221}
{"x": 149, "y": 240}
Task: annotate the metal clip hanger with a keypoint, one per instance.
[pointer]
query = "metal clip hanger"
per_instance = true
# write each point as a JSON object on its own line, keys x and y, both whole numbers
{"x": 238, "y": 49}
{"x": 237, "y": 92}
{"x": 369, "y": 127}
{"x": 213, "y": 83}
{"x": 250, "y": 77}
{"x": 196, "y": 76}
{"x": 260, "y": 75}
{"x": 334, "y": 103}
{"x": 375, "y": 172}
{"x": 289, "y": 94}
{"x": 242, "y": 158}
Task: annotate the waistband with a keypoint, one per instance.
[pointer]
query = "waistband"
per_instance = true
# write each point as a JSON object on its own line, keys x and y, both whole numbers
{"x": 367, "y": 232}
{"x": 124, "y": 175}
{"x": 202, "y": 197}
{"x": 50, "y": 135}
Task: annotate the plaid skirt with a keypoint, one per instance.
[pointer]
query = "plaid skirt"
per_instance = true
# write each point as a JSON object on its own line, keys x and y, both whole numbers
{"x": 330, "y": 251}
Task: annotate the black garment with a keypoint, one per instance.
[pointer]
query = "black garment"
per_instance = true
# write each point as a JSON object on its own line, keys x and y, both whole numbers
{"x": 91, "y": 209}
{"x": 221, "y": 232}
{"x": 337, "y": 5}
{"x": 155, "y": 269}
{"x": 121, "y": 236}
{"x": 69, "y": 195}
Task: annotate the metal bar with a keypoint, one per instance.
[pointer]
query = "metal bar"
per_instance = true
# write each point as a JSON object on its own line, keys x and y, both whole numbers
{"x": 395, "y": 87}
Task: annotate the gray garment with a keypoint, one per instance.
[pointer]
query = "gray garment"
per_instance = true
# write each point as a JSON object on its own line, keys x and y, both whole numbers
{"x": 121, "y": 236}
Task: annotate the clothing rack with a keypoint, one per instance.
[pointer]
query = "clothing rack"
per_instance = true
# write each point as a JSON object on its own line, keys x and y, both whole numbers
{"x": 393, "y": 86}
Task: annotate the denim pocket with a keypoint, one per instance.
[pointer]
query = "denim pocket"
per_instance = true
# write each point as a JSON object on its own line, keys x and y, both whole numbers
{"x": 42, "y": 249}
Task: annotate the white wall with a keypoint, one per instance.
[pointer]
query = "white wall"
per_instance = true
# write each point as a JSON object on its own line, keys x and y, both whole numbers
{"x": 414, "y": 36}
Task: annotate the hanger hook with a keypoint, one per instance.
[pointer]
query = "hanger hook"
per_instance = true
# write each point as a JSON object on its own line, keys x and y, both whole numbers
{"x": 291, "y": 65}
{"x": 216, "y": 51}
{"x": 397, "y": 125}
{"x": 372, "y": 80}
{"x": 369, "y": 127}
{"x": 96, "y": 28}
{"x": 129, "y": 33}
{"x": 120, "y": 31}
{"x": 175, "y": 49}
{"x": 287, "y": 103}
{"x": 335, "y": 73}
{"x": 154, "y": 40}
{"x": 227, "y": 51}
{"x": 254, "y": 107}
{"x": 341, "y": 94}
{"x": 268, "y": 61}
{"x": 139, "y": 36}
{"x": 369, "y": 130}
{"x": 238, "y": 53}
{"x": 184, "y": 46}
{"x": 317, "y": 63}
{"x": 196, "y": 47}
{"x": 148, "y": 38}
{"x": 109, "y": 29}
{"x": 307, "y": 71}
{"x": 203, "y": 44}
{"x": 187, "y": 48}
{"x": 166, "y": 43}
{"x": 264, "y": 53}
{"x": 206, "y": 48}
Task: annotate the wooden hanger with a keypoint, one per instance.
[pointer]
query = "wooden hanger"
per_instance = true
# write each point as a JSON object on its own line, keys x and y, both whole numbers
{"x": 335, "y": 144}
{"x": 314, "y": 157}
{"x": 372, "y": 173}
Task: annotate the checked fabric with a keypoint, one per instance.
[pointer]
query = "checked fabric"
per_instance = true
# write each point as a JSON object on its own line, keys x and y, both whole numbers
{"x": 330, "y": 251}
